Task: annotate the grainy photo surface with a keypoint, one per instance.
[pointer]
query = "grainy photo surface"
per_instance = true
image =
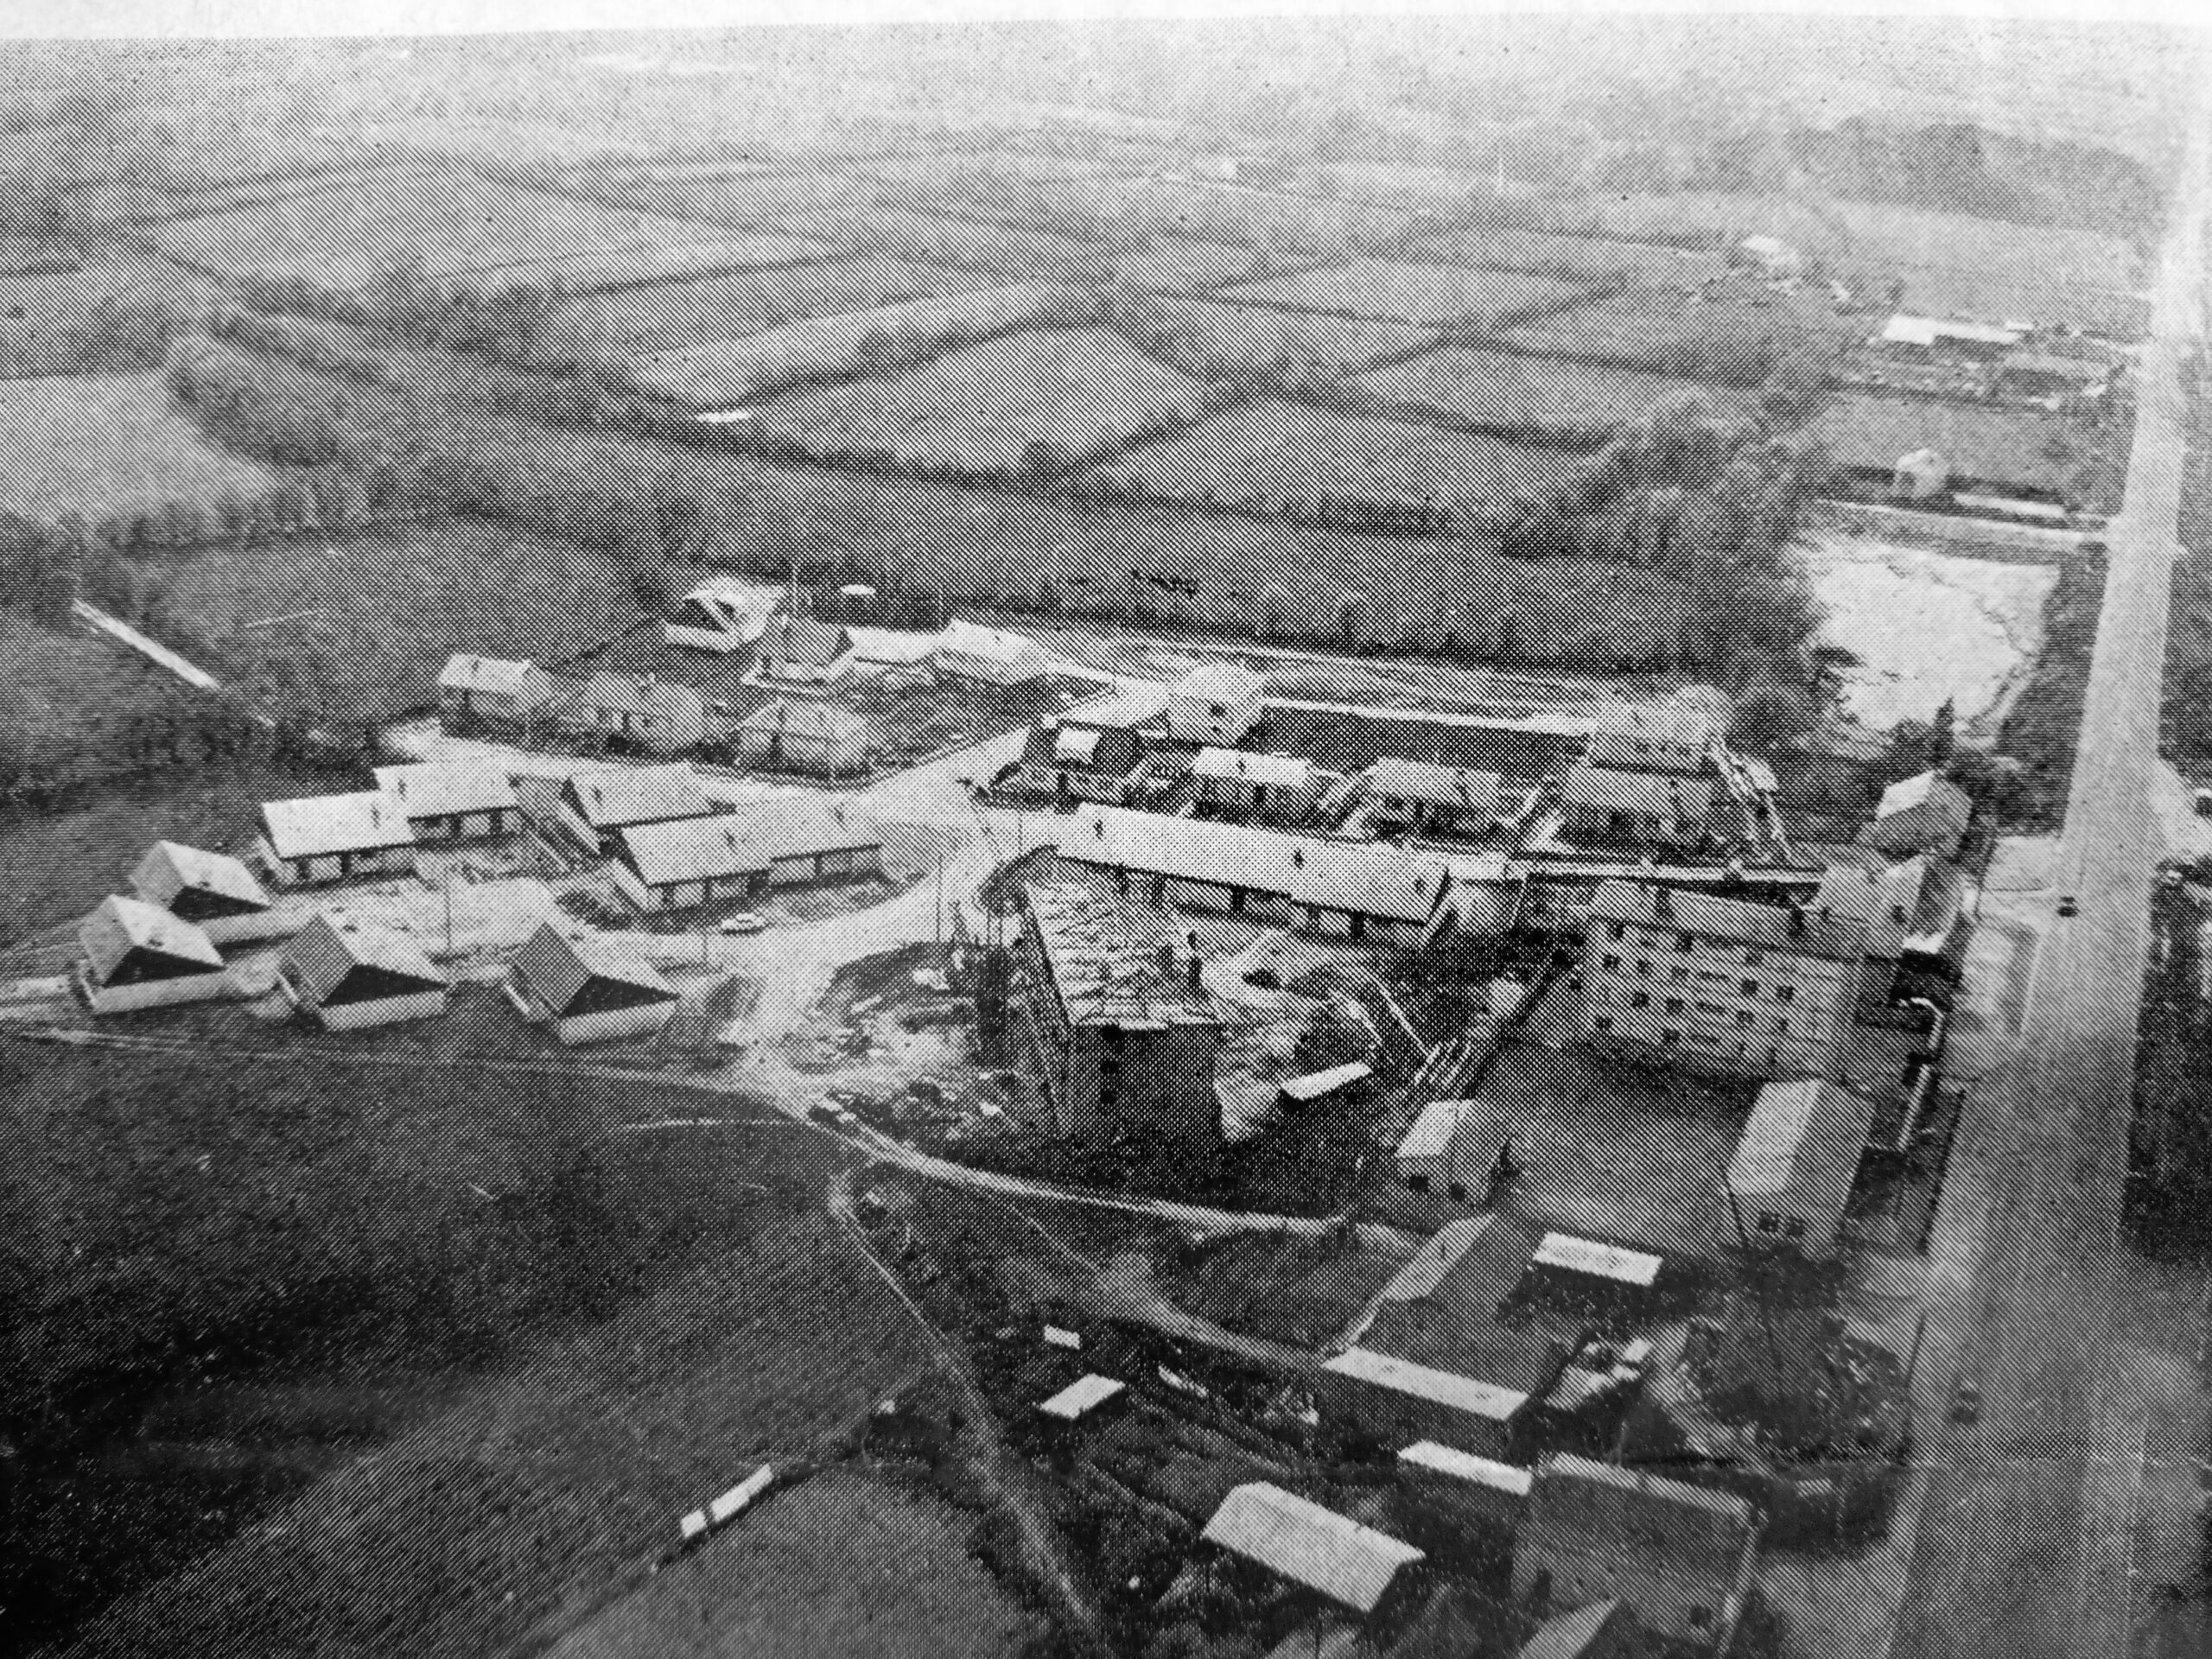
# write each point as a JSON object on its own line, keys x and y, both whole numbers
{"x": 1108, "y": 841}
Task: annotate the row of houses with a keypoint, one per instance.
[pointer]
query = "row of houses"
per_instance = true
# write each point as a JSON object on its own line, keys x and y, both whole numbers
{"x": 725, "y": 617}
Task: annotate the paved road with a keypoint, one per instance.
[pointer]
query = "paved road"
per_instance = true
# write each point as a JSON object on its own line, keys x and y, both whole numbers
{"x": 2028, "y": 1535}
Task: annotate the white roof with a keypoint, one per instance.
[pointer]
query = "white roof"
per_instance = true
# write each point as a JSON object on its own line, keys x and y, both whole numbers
{"x": 897, "y": 647}
{"x": 614, "y": 796}
{"x": 1483, "y": 1472}
{"x": 121, "y": 925}
{"x": 746, "y": 841}
{"x": 1314, "y": 1084}
{"x": 1484, "y": 1399}
{"x": 1927, "y": 788}
{"x": 1350, "y": 1564}
{"x": 1424, "y": 781}
{"x": 1804, "y": 1136}
{"x": 498, "y": 676}
{"x": 1903, "y": 330}
{"x": 1673, "y": 723}
{"x": 322, "y": 824}
{"x": 1269, "y": 770}
{"x": 1228, "y": 683}
{"x": 439, "y": 788}
{"x": 1132, "y": 705}
{"x": 1075, "y": 746}
{"x": 1079, "y": 1398}
{"x": 1433, "y": 1130}
{"x": 1434, "y": 1261}
{"x": 994, "y": 645}
{"x": 1604, "y": 1261}
{"x": 172, "y": 867}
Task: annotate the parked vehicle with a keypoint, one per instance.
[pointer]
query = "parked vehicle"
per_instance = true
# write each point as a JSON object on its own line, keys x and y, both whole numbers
{"x": 2069, "y": 905}
{"x": 1965, "y": 1400}
{"x": 744, "y": 922}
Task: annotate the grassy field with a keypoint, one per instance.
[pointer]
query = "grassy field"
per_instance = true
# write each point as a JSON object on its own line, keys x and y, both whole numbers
{"x": 1884, "y": 234}
{"x": 1232, "y": 214}
{"x": 1209, "y": 334}
{"x": 934, "y": 239}
{"x": 722, "y": 374}
{"x": 1596, "y": 258}
{"x": 750, "y": 200}
{"x": 1268, "y": 454}
{"x": 1973, "y": 291}
{"x": 1649, "y": 328}
{"x": 43, "y": 318}
{"x": 1415, "y": 293}
{"x": 97, "y": 445}
{"x": 1077, "y": 391}
{"x": 1716, "y": 219}
{"x": 2009, "y": 447}
{"x": 1508, "y": 390}
{"x": 1179, "y": 264}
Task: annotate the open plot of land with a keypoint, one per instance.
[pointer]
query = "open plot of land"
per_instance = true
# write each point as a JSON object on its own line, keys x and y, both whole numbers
{"x": 1735, "y": 335}
{"x": 108, "y": 444}
{"x": 1415, "y": 293}
{"x": 1977, "y": 292}
{"x": 2008, "y": 449}
{"x": 939, "y": 238}
{"x": 1269, "y": 453}
{"x": 1288, "y": 1290}
{"x": 1883, "y": 233}
{"x": 1233, "y": 214}
{"x": 1706, "y": 218}
{"x": 1573, "y": 258}
{"x": 1212, "y": 337}
{"x": 753, "y": 200}
{"x": 1180, "y": 264}
{"x": 1068, "y": 392}
{"x": 1510, "y": 390}
{"x": 47, "y": 319}
{"x": 722, "y": 374}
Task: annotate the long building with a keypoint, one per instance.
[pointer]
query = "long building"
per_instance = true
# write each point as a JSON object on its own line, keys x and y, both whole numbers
{"x": 687, "y": 862}
{"x": 217, "y": 894}
{"x": 137, "y": 955}
{"x": 335, "y": 838}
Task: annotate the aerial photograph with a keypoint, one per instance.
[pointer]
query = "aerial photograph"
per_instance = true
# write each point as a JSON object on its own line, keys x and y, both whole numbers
{"x": 1258, "y": 837}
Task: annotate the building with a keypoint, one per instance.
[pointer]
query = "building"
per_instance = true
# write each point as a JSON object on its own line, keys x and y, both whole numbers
{"x": 1922, "y": 338}
{"x": 2040, "y": 374}
{"x": 1353, "y": 1567}
{"x": 1424, "y": 799}
{"x": 353, "y": 976}
{"x": 641, "y": 712}
{"x": 595, "y": 804}
{"x": 1920, "y": 475}
{"x": 587, "y": 990}
{"x": 689, "y": 863}
{"x": 798, "y": 734}
{"x": 453, "y": 800}
{"x": 1282, "y": 786}
{"x": 1497, "y": 1490}
{"x": 1437, "y": 1157}
{"x": 722, "y": 615}
{"x": 1216, "y": 705}
{"x": 136, "y": 955}
{"x": 891, "y": 651}
{"x": 494, "y": 690}
{"x": 1340, "y": 889}
{"x": 1079, "y": 763}
{"x": 1776, "y": 259}
{"x": 967, "y": 650}
{"x": 1115, "y": 1023}
{"x": 1674, "y": 737}
{"x": 1085, "y": 1399}
{"x": 334, "y": 838}
{"x": 1652, "y": 808}
{"x": 1795, "y": 1166}
{"x": 1683, "y": 1557}
{"x": 803, "y": 650}
{"x": 1399, "y": 1401}
{"x": 1603, "y": 1629}
{"x": 1927, "y": 813}
{"x": 217, "y": 894}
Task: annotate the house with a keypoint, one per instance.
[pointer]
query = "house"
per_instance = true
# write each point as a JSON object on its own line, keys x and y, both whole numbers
{"x": 136, "y": 955}
{"x": 1354, "y": 1567}
{"x": 797, "y": 734}
{"x": 594, "y": 804}
{"x": 686, "y": 863}
{"x": 1924, "y": 338}
{"x": 1421, "y": 797}
{"x": 453, "y": 800}
{"x": 1674, "y": 737}
{"x": 1603, "y": 1629}
{"x": 1079, "y": 763}
{"x": 1216, "y": 705}
{"x": 334, "y": 838}
{"x": 1650, "y": 807}
{"x": 1920, "y": 475}
{"x": 1083, "y": 1400}
{"x": 803, "y": 650}
{"x": 891, "y": 651}
{"x": 642, "y": 712}
{"x": 1498, "y": 1490}
{"x": 1114, "y": 1021}
{"x": 966, "y": 650}
{"x": 348, "y": 976}
{"x": 1927, "y": 813}
{"x": 1397, "y": 1400}
{"x": 1683, "y": 1557}
{"x": 1433, "y": 1159}
{"x": 493, "y": 690}
{"x": 722, "y": 615}
{"x": 587, "y": 990}
{"x": 1795, "y": 1164}
{"x": 1284, "y": 787}
{"x": 217, "y": 894}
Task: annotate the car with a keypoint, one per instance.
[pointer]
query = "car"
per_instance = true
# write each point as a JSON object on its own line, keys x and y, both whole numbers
{"x": 1965, "y": 1400}
{"x": 2069, "y": 905}
{"x": 743, "y": 922}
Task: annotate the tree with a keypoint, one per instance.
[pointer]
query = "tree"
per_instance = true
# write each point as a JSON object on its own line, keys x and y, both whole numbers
{"x": 1772, "y": 715}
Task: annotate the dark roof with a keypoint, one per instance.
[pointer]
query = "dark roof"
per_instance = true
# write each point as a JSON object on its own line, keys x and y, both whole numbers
{"x": 1739, "y": 921}
{"x": 805, "y": 640}
{"x": 358, "y": 963}
{"x": 1569, "y": 1635}
{"x": 578, "y": 977}
{"x": 1603, "y": 1509}
{"x": 196, "y": 885}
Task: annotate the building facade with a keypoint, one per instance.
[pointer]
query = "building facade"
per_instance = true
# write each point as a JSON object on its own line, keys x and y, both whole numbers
{"x": 355, "y": 977}
{"x": 595, "y": 805}
{"x": 325, "y": 838}
{"x": 1795, "y": 1166}
{"x": 134, "y": 956}
{"x": 1216, "y": 705}
{"x": 586, "y": 992}
{"x": 1424, "y": 799}
{"x": 494, "y": 690}
{"x": 453, "y": 800}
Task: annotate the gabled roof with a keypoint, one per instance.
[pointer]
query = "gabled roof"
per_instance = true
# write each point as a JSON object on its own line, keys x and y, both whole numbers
{"x": 1507, "y": 1477}
{"x": 1432, "y": 1263}
{"x": 1805, "y": 1136}
{"x": 1569, "y": 1635}
{"x": 1079, "y": 1399}
{"x": 1296, "y": 1539}
{"x": 806, "y": 720}
{"x": 121, "y": 927}
{"x": 1668, "y": 723}
{"x": 323, "y": 955}
{"x": 168, "y": 869}
{"x": 1314, "y": 1084}
{"x": 443, "y": 788}
{"x": 494, "y": 676}
{"x": 1445, "y": 786}
{"x": 1600, "y": 1509}
{"x": 1433, "y": 1130}
{"x": 988, "y": 644}
{"x": 1653, "y": 794}
{"x": 1227, "y": 683}
{"x": 612, "y": 797}
{"x": 1731, "y": 921}
{"x": 901, "y": 647}
{"x": 1125, "y": 709}
{"x": 1904, "y": 330}
{"x": 1928, "y": 789}
{"x": 1572, "y": 1254}
{"x": 322, "y": 824}
{"x": 1478, "y": 1399}
{"x": 738, "y": 608}
{"x": 747, "y": 842}
{"x": 566, "y": 974}
{"x": 1266, "y": 770}
{"x": 803, "y": 639}
{"x": 1106, "y": 961}
{"x": 643, "y": 696}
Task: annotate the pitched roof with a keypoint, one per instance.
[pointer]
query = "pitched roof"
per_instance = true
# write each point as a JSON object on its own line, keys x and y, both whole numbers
{"x": 644, "y": 697}
{"x": 441, "y": 788}
{"x": 612, "y": 797}
{"x": 1672, "y": 723}
{"x": 322, "y": 824}
{"x": 1266, "y": 771}
{"x": 899, "y": 646}
{"x": 495, "y": 675}
{"x": 168, "y": 869}
{"x": 1506, "y": 1477}
{"x": 989, "y": 645}
{"x": 1105, "y": 960}
{"x": 1447, "y": 786}
{"x": 1803, "y": 1136}
{"x": 323, "y": 956}
{"x": 1120, "y": 710}
{"x": 1573, "y": 1255}
{"x": 1432, "y": 1263}
{"x": 120, "y": 926}
{"x": 1568, "y": 1634}
{"x": 1734, "y": 921}
{"x": 1314, "y": 1084}
{"x": 806, "y": 639}
{"x": 1476, "y": 1398}
{"x": 1331, "y": 1554}
{"x": 1601, "y": 1508}
{"x": 1904, "y": 330}
{"x": 738, "y": 608}
{"x": 1080, "y": 1398}
{"x": 1928, "y": 789}
{"x": 1654, "y": 794}
{"x": 1433, "y": 1130}
{"x": 561, "y": 971}
{"x": 803, "y": 718}
{"x": 746, "y": 842}
{"x": 1228, "y": 683}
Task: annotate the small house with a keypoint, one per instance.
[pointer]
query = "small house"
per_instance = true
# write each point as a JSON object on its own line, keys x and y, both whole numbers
{"x": 335, "y": 838}
{"x": 136, "y": 955}
{"x": 1282, "y": 786}
{"x": 1927, "y": 338}
{"x": 1395, "y": 1400}
{"x": 587, "y": 990}
{"x": 1437, "y": 1157}
{"x": 1676, "y": 737}
{"x": 1086, "y": 1400}
{"x": 1497, "y": 1490}
{"x": 803, "y": 650}
{"x": 1927, "y": 813}
{"x": 797, "y": 735}
{"x": 1073, "y": 762}
{"x": 595, "y": 803}
{"x": 1430, "y": 799}
{"x": 217, "y": 894}
{"x": 1650, "y": 808}
{"x": 453, "y": 800}
{"x": 722, "y": 615}
{"x": 1354, "y": 1567}
{"x": 1795, "y": 1166}
{"x": 494, "y": 690}
{"x": 642, "y": 712}
{"x": 687, "y": 863}
{"x": 966, "y": 650}
{"x": 1921, "y": 474}
{"x": 351, "y": 976}
{"x": 1216, "y": 705}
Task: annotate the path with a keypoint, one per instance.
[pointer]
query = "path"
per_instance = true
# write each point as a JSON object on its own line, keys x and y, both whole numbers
{"x": 190, "y": 673}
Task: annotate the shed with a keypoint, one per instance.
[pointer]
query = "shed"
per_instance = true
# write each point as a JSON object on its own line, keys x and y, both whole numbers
{"x": 722, "y": 615}
{"x": 496, "y": 689}
{"x": 587, "y": 990}
{"x": 217, "y": 894}
{"x": 1354, "y": 1566}
{"x": 1926, "y": 813}
{"x": 1083, "y": 1398}
{"x": 1319, "y": 1085}
{"x": 1432, "y": 1158}
{"x": 803, "y": 650}
{"x": 348, "y": 976}
{"x": 1217, "y": 703}
{"x": 969, "y": 651}
{"x": 1794, "y": 1168}
{"x": 136, "y": 955}
{"x": 453, "y": 800}
{"x": 335, "y": 838}
{"x": 1398, "y": 1400}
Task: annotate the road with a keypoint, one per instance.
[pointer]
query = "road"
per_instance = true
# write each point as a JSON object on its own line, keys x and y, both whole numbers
{"x": 2031, "y": 1524}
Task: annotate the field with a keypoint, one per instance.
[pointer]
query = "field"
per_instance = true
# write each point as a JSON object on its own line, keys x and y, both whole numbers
{"x": 1209, "y": 337}
{"x": 1970, "y": 291}
{"x": 935, "y": 238}
{"x": 1885, "y": 235}
{"x": 1067, "y": 394}
{"x": 2015, "y": 449}
{"x": 45, "y": 319}
{"x": 1451, "y": 190}
{"x": 1575, "y": 258}
{"x": 1711, "y": 220}
{"x": 1264, "y": 454}
{"x": 108, "y": 444}
{"x": 1179, "y": 264}
{"x": 755, "y": 199}
{"x": 724, "y": 374}
{"x": 1232, "y": 214}
{"x": 1510, "y": 390}
{"x": 1415, "y": 293}
{"x": 457, "y": 226}
{"x": 1647, "y": 328}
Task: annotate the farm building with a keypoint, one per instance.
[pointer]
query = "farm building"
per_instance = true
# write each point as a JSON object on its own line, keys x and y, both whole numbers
{"x": 1683, "y": 1557}
{"x": 891, "y": 651}
{"x": 1286, "y": 787}
{"x": 1499, "y": 1489}
{"x": 1394, "y": 1398}
{"x": 1603, "y": 1629}
{"x": 642, "y": 712}
{"x": 1648, "y": 807}
{"x": 351, "y": 976}
{"x": 966, "y": 650}
{"x": 595, "y": 804}
{"x": 1988, "y": 449}
{"x": 1340, "y": 889}
{"x": 1115, "y": 1025}
{"x": 803, "y": 650}
{"x": 217, "y": 894}
{"x": 1795, "y": 1164}
{"x": 1675, "y": 737}
{"x": 493, "y": 689}
{"x": 334, "y": 838}
{"x": 453, "y": 800}
{"x": 686, "y": 863}
{"x": 793, "y": 734}
{"x": 1426, "y": 798}
{"x": 1930, "y": 337}
{"x": 587, "y": 990}
{"x": 1079, "y": 763}
{"x": 1354, "y": 1567}
{"x": 136, "y": 955}
{"x": 1927, "y": 813}
{"x": 1216, "y": 704}
{"x": 721, "y": 614}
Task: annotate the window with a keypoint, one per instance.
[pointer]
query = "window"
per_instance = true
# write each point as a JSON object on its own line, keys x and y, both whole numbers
{"x": 1617, "y": 931}
{"x": 1678, "y": 976}
{"x": 1671, "y": 1037}
{"x": 1701, "y": 1617}
{"x": 1641, "y": 1000}
{"x": 1417, "y": 1183}
{"x": 1785, "y": 992}
{"x": 1744, "y": 1017}
{"x": 1769, "y": 1222}
{"x": 1606, "y": 1024}
{"x": 1643, "y": 967}
{"x": 1612, "y": 960}
{"x": 1793, "y": 1228}
{"x": 1683, "y": 942}
{"x": 1750, "y": 988}
{"x": 1753, "y": 958}
{"x": 1781, "y": 1027}
{"x": 1459, "y": 1192}
{"x": 1673, "y": 1005}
